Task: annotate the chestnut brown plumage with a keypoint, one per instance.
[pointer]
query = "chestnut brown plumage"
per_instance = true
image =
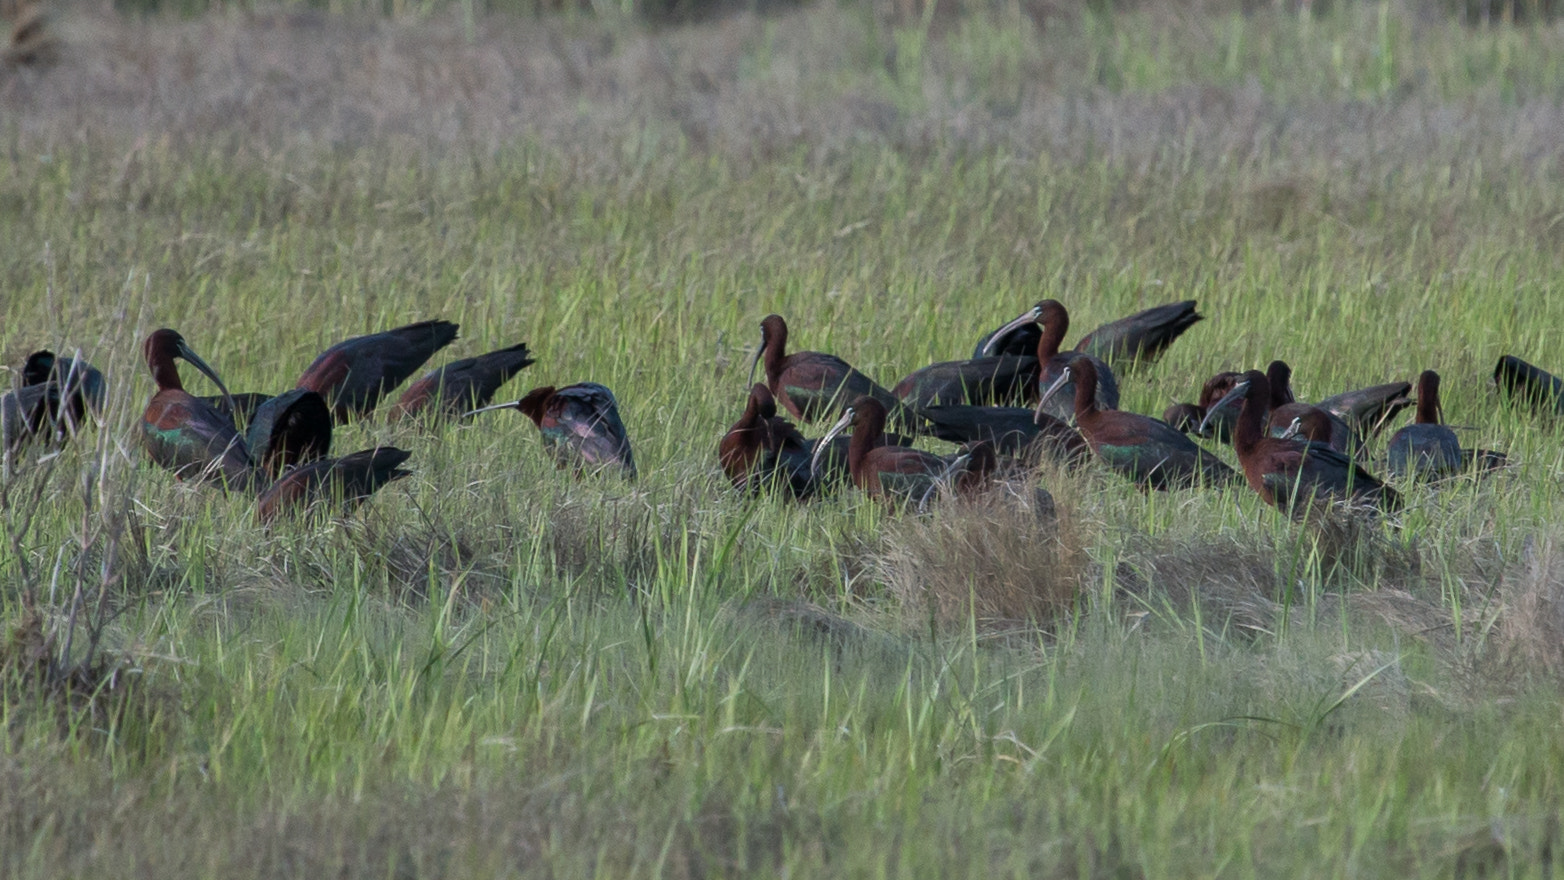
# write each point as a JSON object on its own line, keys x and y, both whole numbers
{"x": 810, "y": 384}
{"x": 1294, "y": 476}
{"x": 355, "y": 373}
{"x": 1148, "y": 452}
{"x": 579, "y": 424}
{"x": 895, "y": 474}
{"x": 1128, "y": 342}
{"x": 1053, "y": 320}
{"x": 183, "y": 433}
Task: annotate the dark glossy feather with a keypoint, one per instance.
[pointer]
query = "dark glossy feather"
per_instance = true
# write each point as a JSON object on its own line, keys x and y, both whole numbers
{"x": 1531, "y": 385}
{"x": 183, "y": 433}
{"x": 1146, "y": 451}
{"x": 580, "y": 426}
{"x": 344, "y": 481}
{"x": 1011, "y": 431}
{"x": 26, "y": 414}
{"x": 461, "y": 386}
{"x": 1150, "y": 452}
{"x": 810, "y": 384}
{"x": 1287, "y": 472}
{"x": 81, "y": 388}
{"x": 1368, "y": 410}
{"x": 354, "y": 374}
{"x": 195, "y": 441}
{"x": 245, "y": 405}
{"x": 1219, "y": 423}
{"x": 1318, "y": 425}
{"x": 1428, "y": 450}
{"x": 762, "y": 450}
{"x": 1184, "y": 418}
{"x": 1054, "y": 321}
{"x": 895, "y": 474}
{"x": 1019, "y": 341}
{"x": 1425, "y": 451}
{"x": 290, "y": 429}
{"x": 977, "y": 382}
{"x": 1142, "y": 337}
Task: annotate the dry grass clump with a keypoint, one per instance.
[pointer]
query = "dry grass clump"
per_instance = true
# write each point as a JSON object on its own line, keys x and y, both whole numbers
{"x": 43, "y": 668}
{"x": 1245, "y": 579}
{"x": 997, "y": 559}
{"x": 1231, "y": 577}
{"x": 1530, "y": 620}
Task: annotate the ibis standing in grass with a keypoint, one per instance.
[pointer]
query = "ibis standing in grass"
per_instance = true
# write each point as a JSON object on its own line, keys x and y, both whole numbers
{"x": 810, "y": 384}
{"x": 1149, "y": 452}
{"x": 355, "y": 373}
{"x": 183, "y": 433}
{"x": 1053, "y": 322}
{"x": 580, "y": 426}
{"x": 1294, "y": 476}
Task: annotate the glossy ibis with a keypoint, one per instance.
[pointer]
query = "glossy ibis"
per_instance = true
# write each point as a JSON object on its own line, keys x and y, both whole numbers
{"x": 1147, "y": 451}
{"x": 894, "y": 474}
{"x": 290, "y": 429}
{"x": 239, "y": 408}
{"x": 1184, "y": 418}
{"x": 1315, "y": 422}
{"x": 811, "y": 383}
{"x": 461, "y": 386}
{"x": 969, "y": 473}
{"x": 347, "y": 481}
{"x": 1292, "y": 475}
{"x": 353, "y": 374}
{"x": 1012, "y": 430}
{"x": 183, "y": 433}
{"x": 1367, "y": 411}
{"x": 82, "y": 388}
{"x": 26, "y": 413}
{"x": 976, "y": 382}
{"x": 1189, "y": 417}
{"x": 762, "y": 449}
{"x": 1142, "y": 337}
{"x": 1429, "y": 450}
{"x": 1310, "y": 424}
{"x": 1054, "y": 322}
{"x": 1138, "y": 339}
{"x": 1534, "y": 386}
{"x": 580, "y": 426}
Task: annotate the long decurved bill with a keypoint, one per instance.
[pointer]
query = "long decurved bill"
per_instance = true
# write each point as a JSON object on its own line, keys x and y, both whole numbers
{"x": 1229, "y": 397}
{"x": 1030, "y": 317}
{"x": 823, "y": 442}
{"x": 1064, "y": 379}
{"x": 195, "y": 361}
{"x": 755, "y": 361}
{"x": 491, "y": 408}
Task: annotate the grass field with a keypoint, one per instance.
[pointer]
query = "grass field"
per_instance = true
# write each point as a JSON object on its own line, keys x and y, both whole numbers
{"x": 494, "y": 669}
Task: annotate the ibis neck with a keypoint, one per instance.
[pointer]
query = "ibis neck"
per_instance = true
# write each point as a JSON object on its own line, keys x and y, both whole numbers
{"x": 1428, "y": 401}
{"x": 1251, "y": 425}
{"x": 166, "y": 374}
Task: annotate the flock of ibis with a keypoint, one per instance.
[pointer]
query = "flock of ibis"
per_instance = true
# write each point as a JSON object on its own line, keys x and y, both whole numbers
{"x": 1019, "y": 399}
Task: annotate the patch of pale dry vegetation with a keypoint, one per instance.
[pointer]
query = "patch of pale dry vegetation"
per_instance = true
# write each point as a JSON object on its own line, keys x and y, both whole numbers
{"x": 1529, "y": 631}
{"x": 1012, "y": 556}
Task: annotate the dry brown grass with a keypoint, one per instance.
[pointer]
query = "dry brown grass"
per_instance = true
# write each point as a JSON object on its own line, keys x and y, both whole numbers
{"x": 1530, "y": 621}
{"x": 1002, "y": 559}
{"x": 281, "y": 80}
